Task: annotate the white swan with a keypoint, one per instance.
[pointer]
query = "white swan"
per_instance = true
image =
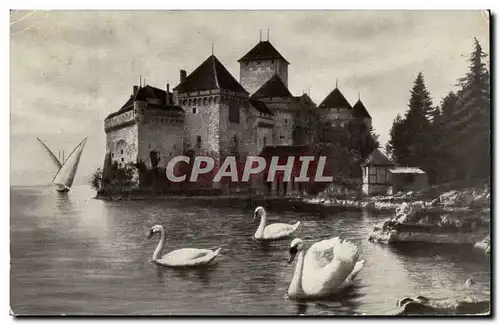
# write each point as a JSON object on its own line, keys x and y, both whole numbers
{"x": 184, "y": 257}
{"x": 328, "y": 268}
{"x": 273, "y": 231}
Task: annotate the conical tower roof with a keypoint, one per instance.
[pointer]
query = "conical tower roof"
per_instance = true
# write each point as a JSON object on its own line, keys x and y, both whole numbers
{"x": 335, "y": 99}
{"x": 211, "y": 74}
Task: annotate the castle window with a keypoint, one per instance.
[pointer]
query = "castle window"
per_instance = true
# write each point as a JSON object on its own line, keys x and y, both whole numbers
{"x": 210, "y": 101}
{"x": 234, "y": 113}
{"x": 286, "y": 121}
{"x": 198, "y": 141}
{"x": 205, "y": 101}
{"x": 122, "y": 159}
{"x": 199, "y": 101}
{"x": 184, "y": 102}
{"x": 194, "y": 110}
{"x": 189, "y": 102}
{"x": 121, "y": 151}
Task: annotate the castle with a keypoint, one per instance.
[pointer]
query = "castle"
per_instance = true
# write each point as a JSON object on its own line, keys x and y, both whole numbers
{"x": 210, "y": 113}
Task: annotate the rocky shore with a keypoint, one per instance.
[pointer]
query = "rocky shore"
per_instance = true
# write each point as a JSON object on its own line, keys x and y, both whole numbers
{"x": 454, "y": 217}
{"x": 420, "y": 305}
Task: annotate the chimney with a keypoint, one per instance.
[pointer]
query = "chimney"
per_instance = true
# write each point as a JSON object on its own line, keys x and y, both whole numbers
{"x": 134, "y": 92}
{"x": 167, "y": 99}
{"x": 183, "y": 75}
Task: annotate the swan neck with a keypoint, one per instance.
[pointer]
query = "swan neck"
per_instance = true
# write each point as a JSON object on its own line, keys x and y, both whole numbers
{"x": 160, "y": 246}
{"x": 295, "y": 289}
{"x": 262, "y": 225}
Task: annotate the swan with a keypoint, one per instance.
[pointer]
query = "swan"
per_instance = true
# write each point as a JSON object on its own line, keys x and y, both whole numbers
{"x": 184, "y": 257}
{"x": 329, "y": 267}
{"x": 273, "y": 231}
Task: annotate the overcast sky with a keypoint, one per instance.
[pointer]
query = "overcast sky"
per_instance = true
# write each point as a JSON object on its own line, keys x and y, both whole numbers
{"x": 70, "y": 69}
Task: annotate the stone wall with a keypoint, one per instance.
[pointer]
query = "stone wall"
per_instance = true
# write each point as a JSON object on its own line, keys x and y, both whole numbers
{"x": 253, "y": 74}
{"x": 336, "y": 115}
{"x": 235, "y": 137}
{"x": 122, "y": 144}
{"x": 201, "y": 130}
{"x": 161, "y": 132}
{"x": 283, "y": 120}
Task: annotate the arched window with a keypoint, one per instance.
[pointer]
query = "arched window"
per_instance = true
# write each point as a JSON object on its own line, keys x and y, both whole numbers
{"x": 194, "y": 110}
{"x": 205, "y": 101}
{"x": 198, "y": 141}
{"x": 199, "y": 101}
{"x": 210, "y": 101}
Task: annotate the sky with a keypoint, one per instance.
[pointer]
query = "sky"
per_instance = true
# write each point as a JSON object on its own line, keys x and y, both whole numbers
{"x": 70, "y": 69}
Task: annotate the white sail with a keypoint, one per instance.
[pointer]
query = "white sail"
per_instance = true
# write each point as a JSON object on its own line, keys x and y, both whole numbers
{"x": 55, "y": 162}
{"x": 65, "y": 176}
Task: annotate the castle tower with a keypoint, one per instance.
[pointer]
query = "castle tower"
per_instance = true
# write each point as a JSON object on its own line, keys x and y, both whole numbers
{"x": 216, "y": 106}
{"x": 335, "y": 108}
{"x": 260, "y": 64}
{"x": 148, "y": 128}
{"x": 359, "y": 111}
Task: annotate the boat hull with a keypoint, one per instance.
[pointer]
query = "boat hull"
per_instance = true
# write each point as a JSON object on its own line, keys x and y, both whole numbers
{"x": 61, "y": 188}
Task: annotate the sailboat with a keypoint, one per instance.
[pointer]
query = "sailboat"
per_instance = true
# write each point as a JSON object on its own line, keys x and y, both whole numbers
{"x": 65, "y": 171}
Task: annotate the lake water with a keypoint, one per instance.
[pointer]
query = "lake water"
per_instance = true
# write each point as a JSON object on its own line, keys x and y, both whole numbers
{"x": 71, "y": 254}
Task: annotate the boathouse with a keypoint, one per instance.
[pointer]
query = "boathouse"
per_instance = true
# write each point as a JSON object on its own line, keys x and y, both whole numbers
{"x": 407, "y": 179}
{"x": 376, "y": 178}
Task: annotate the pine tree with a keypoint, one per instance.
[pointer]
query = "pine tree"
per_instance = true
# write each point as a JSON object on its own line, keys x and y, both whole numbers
{"x": 442, "y": 133}
{"x": 396, "y": 147}
{"x": 411, "y": 142}
{"x": 471, "y": 119}
{"x": 420, "y": 97}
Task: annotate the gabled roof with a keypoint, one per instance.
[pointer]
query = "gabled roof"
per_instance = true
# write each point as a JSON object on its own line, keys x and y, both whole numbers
{"x": 211, "y": 74}
{"x": 274, "y": 87}
{"x": 260, "y": 106}
{"x": 377, "y": 158}
{"x": 359, "y": 110}
{"x": 148, "y": 92}
{"x": 335, "y": 99}
{"x": 264, "y": 50}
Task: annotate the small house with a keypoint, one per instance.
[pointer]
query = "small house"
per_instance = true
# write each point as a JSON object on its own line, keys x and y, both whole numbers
{"x": 407, "y": 179}
{"x": 375, "y": 170}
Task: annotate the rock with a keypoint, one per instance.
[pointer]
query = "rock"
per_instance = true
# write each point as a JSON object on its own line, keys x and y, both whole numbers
{"x": 484, "y": 245}
{"x": 482, "y": 200}
{"x": 465, "y": 199}
{"x": 443, "y": 306}
{"x": 469, "y": 282}
{"x": 448, "y": 198}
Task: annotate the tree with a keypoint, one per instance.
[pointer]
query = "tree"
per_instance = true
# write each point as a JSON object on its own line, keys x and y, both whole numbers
{"x": 420, "y": 98}
{"x": 471, "y": 119}
{"x": 396, "y": 146}
{"x": 445, "y": 161}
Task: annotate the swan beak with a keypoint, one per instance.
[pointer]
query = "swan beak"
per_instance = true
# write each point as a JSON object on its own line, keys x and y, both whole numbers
{"x": 150, "y": 234}
{"x": 293, "y": 252}
{"x": 255, "y": 215}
